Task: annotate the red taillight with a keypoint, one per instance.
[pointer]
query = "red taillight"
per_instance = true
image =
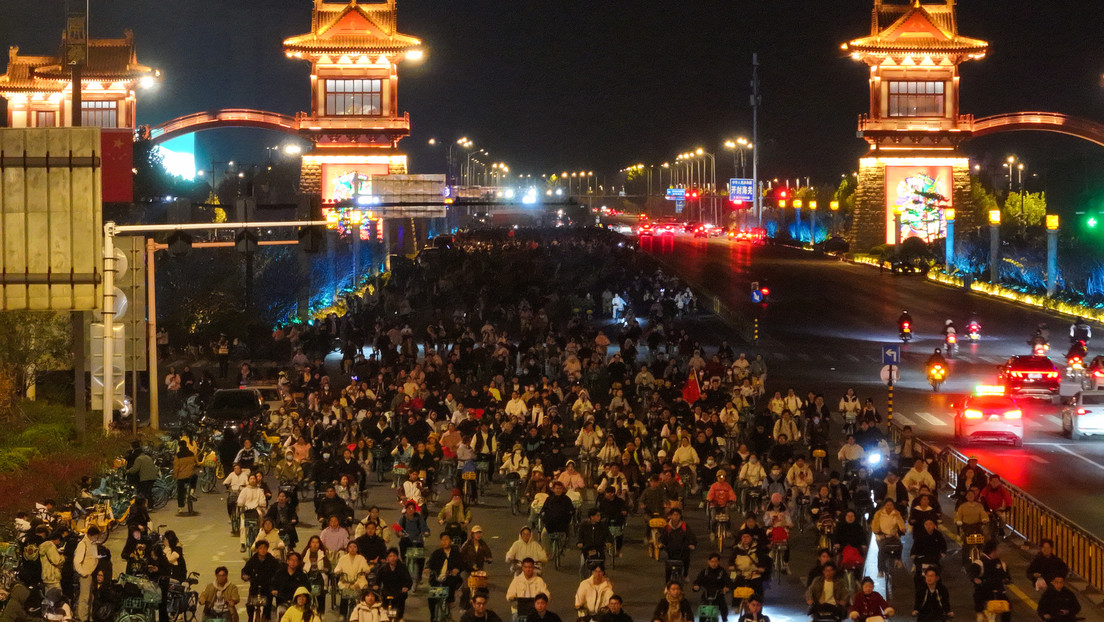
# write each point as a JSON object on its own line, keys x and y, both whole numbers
{"x": 905, "y": 326}
{"x": 1098, "y": 374}
{"x": 951, "y": 339}
{"x": 1081, "y": 411}
{"x": 1052, "y": 374}
{"x": 766, "y": 292}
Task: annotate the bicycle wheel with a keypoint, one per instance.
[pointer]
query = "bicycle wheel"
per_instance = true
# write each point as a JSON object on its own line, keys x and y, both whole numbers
{"x": 131, "y": 617}
{"x": 191, "y": 606}
{"x": 207, "y": 482}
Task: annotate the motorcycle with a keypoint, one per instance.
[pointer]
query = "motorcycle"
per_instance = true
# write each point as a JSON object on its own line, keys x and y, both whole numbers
{"x": 974, "y": 331}
{"x": 1075, "y": 367}
{"x": 951, "y": 344}
{"x": 905, "y": 332}
{"x": 936, "y": 375}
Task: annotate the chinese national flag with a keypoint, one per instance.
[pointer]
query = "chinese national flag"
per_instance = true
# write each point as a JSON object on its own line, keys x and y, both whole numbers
{"x": 691, "y": 391}
{"x": 117, "y": 162}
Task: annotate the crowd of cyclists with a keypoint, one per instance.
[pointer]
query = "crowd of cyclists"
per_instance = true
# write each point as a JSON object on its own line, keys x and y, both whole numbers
{"x": 503, "y": 369}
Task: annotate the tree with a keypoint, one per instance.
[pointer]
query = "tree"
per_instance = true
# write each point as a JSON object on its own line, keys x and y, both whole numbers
{"x": 984, "y": 200}
{"x": 1025, "y": 210}
{"x": 845, "y": 194}
{"x": 30, "y": 341}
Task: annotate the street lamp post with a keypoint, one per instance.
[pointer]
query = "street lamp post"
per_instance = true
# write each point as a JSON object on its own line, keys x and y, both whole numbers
{"x": 1052, "y": 223}
{"x": 994, "y": 245}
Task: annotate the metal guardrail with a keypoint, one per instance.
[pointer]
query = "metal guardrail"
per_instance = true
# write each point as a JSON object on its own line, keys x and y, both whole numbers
{"x": 1028, "y": 517}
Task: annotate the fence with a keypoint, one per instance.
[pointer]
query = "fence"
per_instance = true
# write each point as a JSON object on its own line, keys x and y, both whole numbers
{"x": 1028, "y": 517}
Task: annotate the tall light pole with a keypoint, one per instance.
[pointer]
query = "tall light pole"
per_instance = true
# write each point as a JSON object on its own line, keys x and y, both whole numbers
{"x": 756, "y": 101}
{"x": 463, "y": 143}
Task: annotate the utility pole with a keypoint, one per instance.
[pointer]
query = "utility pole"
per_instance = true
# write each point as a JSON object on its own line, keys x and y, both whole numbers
{"x": 76, "y": 52}
{"x": 756, "y": 100}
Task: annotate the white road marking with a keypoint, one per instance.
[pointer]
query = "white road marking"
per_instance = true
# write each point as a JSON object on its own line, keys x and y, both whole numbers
{"x": 852, "y": 358}
{"x": 1055, "y": 419}
{"x": 903, "y": 420}
{"x": 1038, "y": 459}
{"x": 804, "y": 357}
{"x": 932, "y": 419}
{"x": 1072, "y": 453}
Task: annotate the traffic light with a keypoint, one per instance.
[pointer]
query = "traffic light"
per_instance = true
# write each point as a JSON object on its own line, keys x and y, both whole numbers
{"x": 245, "y": 241}
{"x": 179, "y": 243}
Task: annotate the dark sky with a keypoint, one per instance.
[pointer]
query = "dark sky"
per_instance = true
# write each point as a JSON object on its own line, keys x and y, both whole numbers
{"x": 602, "y": 84}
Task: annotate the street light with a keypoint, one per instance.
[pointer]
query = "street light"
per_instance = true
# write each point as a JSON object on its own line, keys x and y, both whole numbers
{"x": 739, "y": 147}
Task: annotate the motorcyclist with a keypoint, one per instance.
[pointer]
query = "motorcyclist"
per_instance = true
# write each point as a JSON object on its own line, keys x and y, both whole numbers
{"x": 936, "y": 359}
{"x": 1039, "y": 337}
{"x": 1077, "y": 350}
{"x": 905, "y": 317}
{"x": 1080, "y": 331}
{"x": 949, "y": 328}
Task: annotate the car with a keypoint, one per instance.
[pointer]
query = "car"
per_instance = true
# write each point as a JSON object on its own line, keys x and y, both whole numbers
{"x": 989, "y": 415}
{"x": 234, "y": 409}
{"x": 1093, "y": 377}
{"x": 1084, "y": 415}
{"x": 1030, "y": 376}
{"x": 646, "y": 229}
{"x": 272, "y": 395}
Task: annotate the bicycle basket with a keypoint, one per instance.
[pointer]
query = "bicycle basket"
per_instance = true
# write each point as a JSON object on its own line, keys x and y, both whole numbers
{"x": 742, "y": 593}
{"x": 477, "y": 582}
{"x": 819, "y": 453}
{"x": 438, "y": 593}
{"x": 470, "y": 475}
{"x": 134, "y": 604}
{"x": 975, "y": 538}
{"x": 720, "y": 518}
{"x": 415, "y": 552}
{"x": 615, "y": 530}
{"x": 997, "y": 606}
{"x": 400, "y": 469}
{"x": 709, "y": 611}
{"x": 657, "y": 523}
{"x": 483, "y": 466}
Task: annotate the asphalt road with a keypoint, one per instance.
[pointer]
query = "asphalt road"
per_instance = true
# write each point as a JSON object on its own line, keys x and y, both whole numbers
{"x": 639, "y": 579}
{"x": 826, "y": 320}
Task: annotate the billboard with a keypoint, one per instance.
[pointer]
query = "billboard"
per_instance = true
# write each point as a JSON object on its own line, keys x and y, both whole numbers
{"x": 920, "y": 194}
{"x": 51, "y": 219}
{"x": 346, "y": 182}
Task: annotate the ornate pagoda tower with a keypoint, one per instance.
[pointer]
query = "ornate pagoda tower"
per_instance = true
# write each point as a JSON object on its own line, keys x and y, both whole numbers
{"x": 914, "y": 176}
{"x": 40, "y": 94}
{"x": 354, "y": 49}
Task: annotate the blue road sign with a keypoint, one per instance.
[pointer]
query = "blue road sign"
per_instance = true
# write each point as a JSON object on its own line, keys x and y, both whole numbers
{"x": 891, "y": 354}
{"x": 741, "y": 189}
{"x": 676, "y": 194}
{"x": 679, "y": 205}
{"x": 757, "y": 296}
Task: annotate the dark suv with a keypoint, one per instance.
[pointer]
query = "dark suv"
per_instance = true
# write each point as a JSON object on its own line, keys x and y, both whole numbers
{"x": 234, "y": 409}
{"x": 1030, "y": 376}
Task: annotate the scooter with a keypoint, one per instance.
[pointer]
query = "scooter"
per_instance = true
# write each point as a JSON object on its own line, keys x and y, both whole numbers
{"x": 951, "y": 344}
{"x": 905, "y": 332}
{"x": 974, "y": 331}
{"x": 936, "y": 375}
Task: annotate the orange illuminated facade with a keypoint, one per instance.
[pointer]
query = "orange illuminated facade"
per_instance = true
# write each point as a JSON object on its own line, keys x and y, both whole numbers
{"x": 39, "y": 94}
{"x": 354, "y": 122}
{"x": 913, "y": 126}
{"x": 913, "y": 53}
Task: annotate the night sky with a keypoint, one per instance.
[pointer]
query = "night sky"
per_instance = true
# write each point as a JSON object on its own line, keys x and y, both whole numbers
{"x": 548, "y": 86}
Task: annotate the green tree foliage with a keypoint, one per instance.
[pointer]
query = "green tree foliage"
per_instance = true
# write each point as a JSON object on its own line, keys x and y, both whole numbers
{"x": 845, "y": 194}
{"x": 984, "y": 201}
{"x": 1028, "y": 209}
{"x": 30, "y": 341}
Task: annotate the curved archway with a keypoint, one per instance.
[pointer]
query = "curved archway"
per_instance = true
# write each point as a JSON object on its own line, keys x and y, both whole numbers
{"x": 1040, "y": 122}
{"x": 231, "y": 117}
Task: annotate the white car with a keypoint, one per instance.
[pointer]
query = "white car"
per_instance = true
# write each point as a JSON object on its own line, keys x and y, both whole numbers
{"x": 1084, "y": 415}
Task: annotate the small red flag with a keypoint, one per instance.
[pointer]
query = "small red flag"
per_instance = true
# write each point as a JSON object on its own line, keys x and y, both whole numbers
{"x": 691, "y": 391}
{"x": 117, "y": 162}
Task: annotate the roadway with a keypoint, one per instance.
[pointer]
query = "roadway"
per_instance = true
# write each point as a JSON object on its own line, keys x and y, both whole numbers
{"x": 208, "y": 544}
{"x": 826, "y": 320}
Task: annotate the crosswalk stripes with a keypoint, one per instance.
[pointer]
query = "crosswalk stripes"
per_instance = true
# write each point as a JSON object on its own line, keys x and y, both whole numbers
{"x": 903, "y": 420}
{"x": 932, "y": 419}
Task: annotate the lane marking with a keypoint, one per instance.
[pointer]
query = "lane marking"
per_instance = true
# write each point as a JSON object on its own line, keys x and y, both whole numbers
{"x": 1074, "y": 454}
{"x": 1038, "y": 459}
{"x": 1055, "y": 419}
{"x": 932, "y": 419}
{"x": 903, "y": 420}
{"x": 804, "y": 357}
{"x": 852, "y": 358}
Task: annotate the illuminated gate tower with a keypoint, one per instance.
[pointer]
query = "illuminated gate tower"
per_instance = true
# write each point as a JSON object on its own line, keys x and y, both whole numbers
{"x": 914, "y": 126}
{"x": 354, "y": 122}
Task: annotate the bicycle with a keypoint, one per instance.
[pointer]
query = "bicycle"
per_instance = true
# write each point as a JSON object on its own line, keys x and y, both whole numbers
{"x": 414, "y": 554}
{"x": 615, "y": 532}
{"x": 820, "y": 456}
{"x": 889, "y": 558}
{"x": 655, "y": 524}
{"x": 674, "y": 570}
{"x": 743, "y": 595}
{"x": 556, "y": 540}
{"x": 512, "y": 497}
{"x": 826, "y": 526}
{"x": 471, "y": 487}
{"x": 483, "y": 469}
{"x": 801, "y": 518}
{"x": 778, "y": 551}
{"x": 183, "y": 600}
{"x": 439, "y": 594}
{"x": 719, "y": 521}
